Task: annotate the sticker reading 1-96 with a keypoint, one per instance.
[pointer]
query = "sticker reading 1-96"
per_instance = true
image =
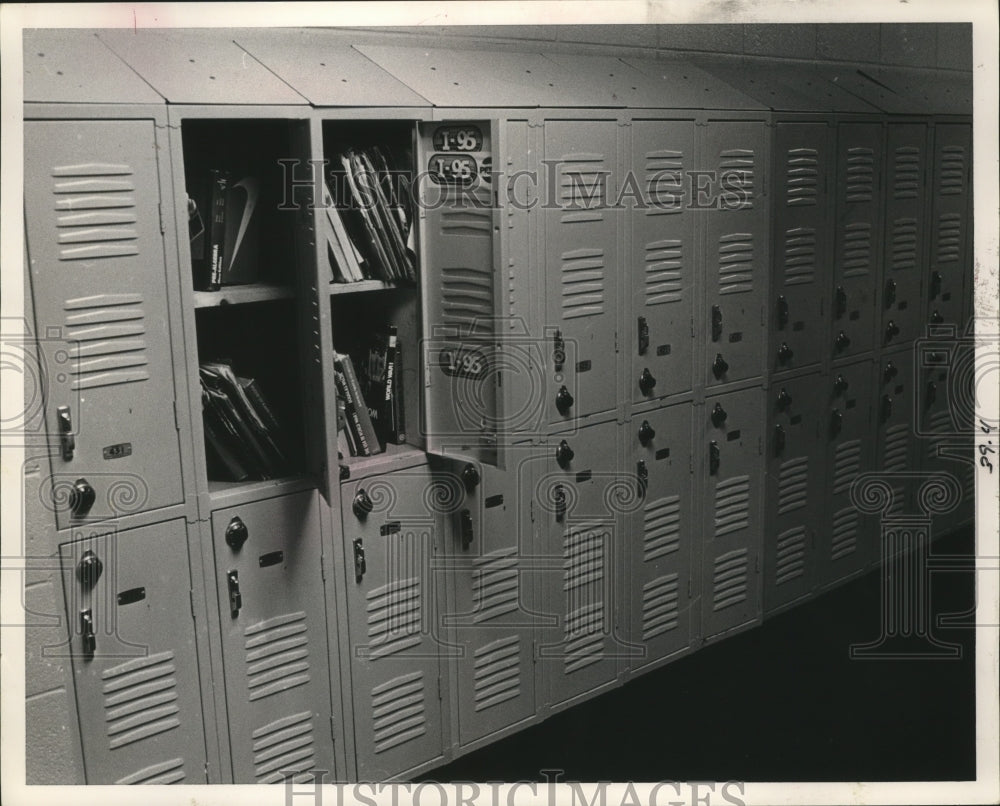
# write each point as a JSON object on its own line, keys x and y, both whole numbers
{"x": 458, "y": 152}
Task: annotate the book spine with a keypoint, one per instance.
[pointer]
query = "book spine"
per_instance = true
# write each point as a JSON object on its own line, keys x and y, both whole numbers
{"x": 217, "y": 229}
{"x": 359, "y": 405}
{"x": 398, "y": 418}
{"x": 360, "y": 442}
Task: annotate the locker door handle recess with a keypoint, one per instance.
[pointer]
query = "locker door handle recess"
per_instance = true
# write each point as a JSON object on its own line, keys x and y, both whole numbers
{"x": 235, "y": 597}
{"x": 360, "y": 566}
{"x": 642, "y": 474}
{"x": 836, "y": 421}
{"x": 841, "y": 302}
{"x": 714, "y": 457}
{"x": 466, "y": 529}
{"x": 779, "y": 440}
{"x": 87, "y": 633}
{"x": 643, "y": 335}
{"x": 890, "y": 293}
{"x": 716, "y": 322}
{"x": 931, "y": 394}
{"x": 782, "y": 311}
{"x": 66, "y": 438}
{"x": 886, "y": 408}
{"x": 935, "y": 284}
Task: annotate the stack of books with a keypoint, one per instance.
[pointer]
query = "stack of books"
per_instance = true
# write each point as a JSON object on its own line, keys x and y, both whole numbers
{"x": 224, "y": 231}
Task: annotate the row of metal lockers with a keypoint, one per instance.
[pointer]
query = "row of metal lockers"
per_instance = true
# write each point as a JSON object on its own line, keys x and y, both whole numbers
{"x": 682, "y": 395}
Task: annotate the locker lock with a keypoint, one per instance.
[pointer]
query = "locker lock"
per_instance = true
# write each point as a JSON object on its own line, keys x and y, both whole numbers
{"x": 470, "y": 477}
{"x": 936, "y": 318}
{"x": 89, "y": 569}
{"x": 836, "y": 421}
{"x": 235, "y": 597}
{"x": 81, "y": 498}
{"x": 716, "y": 322}
{"x": 935, "y": 288}
{"x": 889, "y": 372}
{"x": 643, "y": 335}
{"x": 840, "y": 385}
{"x": 559, "y": 498}
{"x": 840, "y": 302}
{"x": 719, "y": 366}
{"x": 564, "y": 454}
{"x": 886, "y": 411}
{"x": 890, "y": 293}
{"x": 779, "y": 440}
{"x": 87, "y": 633}
{"x": 642, "y": 474}
{"x": 360, "y": 566}
{"x": 646, "y": 381}
{"x": 465, "y": 520}
{"x": 236, "y": 533}
{"x": 785, "y": 353}
{"x": 842, "y": 342}
{"x": 66, "y": 439}
{"x": 646, "y": 432}
{"x": 714, "y": 457}
{"x": 891, "y": 329}
{"x": 564, "y": 400}
{"x": 558, "y": 351}
{"x": 784, "y": 400}
{"x": 931, "y": 394}
{"x": 719, "y": 416}
{"x": 782, "y": 312}
{"x": 362, "y": 504}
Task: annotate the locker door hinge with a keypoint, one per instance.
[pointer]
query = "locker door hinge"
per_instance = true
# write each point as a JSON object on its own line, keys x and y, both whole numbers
{"x": 534, "y": 651}
{"x": 191, "y": 603}
{"x": 159, "y": 208}
{"x": 439, "y": 687}
{"x": 177, "y": 425}
{"x": 616, "y": 341}
{"x": 692, "y": 327}
{"x": 531, "y": 509}
{"x": 689, "y": 587}
{"x": 756, "y": 562}
{"x": 760, "y": 446}
{"x": 322, "y": 566}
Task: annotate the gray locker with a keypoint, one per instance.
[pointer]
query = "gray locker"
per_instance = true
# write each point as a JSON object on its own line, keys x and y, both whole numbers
{"x": 581, "y": 255}
{"x": 488, "y": 616}
{"x": 895, "y": 407}
{"x": 794, "y": 503}
{"x": 729, "y": 430}
{"x": 662, "y": 263}
{"x": 857, "y": 249}
{"x": 92, "y": 214}
{"x": 273, "y": 616}
{"x": 660, "y": 535}
{"x": 905, "y": 233}
{"x": 576, "y": 494}
{"x": 950, "y": 277}
{"x": 847, "y": 544}
{"x": 133, "y": 654}
{"x": 801, "y": 258}
{"x": 735, "y": 249}
{"x": 391, "y": 531}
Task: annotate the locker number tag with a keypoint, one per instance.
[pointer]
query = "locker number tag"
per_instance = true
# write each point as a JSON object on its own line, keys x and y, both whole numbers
{"x": 458, "y": 138}
{"x": 463, "y": 362}
{"x": 452, "y": 169}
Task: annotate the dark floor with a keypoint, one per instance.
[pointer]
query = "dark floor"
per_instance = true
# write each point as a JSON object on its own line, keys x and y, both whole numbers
{"x": 782, "y": 702}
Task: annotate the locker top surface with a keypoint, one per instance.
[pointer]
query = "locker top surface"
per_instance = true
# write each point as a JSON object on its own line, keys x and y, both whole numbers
{"x": 687, "y": 86}
{"x": 899, "y": 91}
{"x": 325, "y": 68}
{"x": 74, "y": 66}
{"x": 199, "y": 66}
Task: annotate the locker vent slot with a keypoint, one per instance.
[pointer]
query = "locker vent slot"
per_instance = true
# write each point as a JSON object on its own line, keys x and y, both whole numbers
{"x": 802, "y": 178}
{"x": 860, "y": 179}
{"x": 394, "y": 615}
{"x": 844, "y": 534}
{"x": 495, "y": 585}
{"x": 166, "y": 772}
{"x": 497, "y": 675}
{"x": 736, "y": 174}
{"x": 949, "y": 237}
{"x": 904, "y": 244}
{"x": 857, "y": 247}
{"x": 583, "y": 181}
{"x": 107, "y": 340}
{"x": 661, "y": 527}
{"x": 894, "y": 459}
{"x": 584, "y": 637}
{"x": 793, "y": 484}
{"x": 729, "y": 582}
{"x": 846, "y": 465}
{"x": 940, "y": 422}
{"x": 466, "y": 221}
{"x": 140, "y": 699}
{"x": 951, "y": 171}
{"x": 660, "y": 603}
{"x": 732, "y": 505}
{"x": 95, "y": 211}
{"x": 664, "y": 182}
{"x": 398, "y": 711}
{"x": 283, "y": 746}
{"x": 582, "y": 283}
{"x": 583, "y": 557}
{"x": 663, "y": 272}
{"x": 800, "y": 255}
{"x": 906, "y": 172}
{"x": 466, "y": 298}
{"x": 736, "y": 263}
{"x": 790, "y": 561}
{"x": 277, "y": 655}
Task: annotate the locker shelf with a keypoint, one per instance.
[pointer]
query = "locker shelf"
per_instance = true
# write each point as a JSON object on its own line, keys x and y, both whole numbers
{"x": 395, "y": 457}
{"x": 242, "y": 295}
{"x": 363, "y": 285}
{"x": 234, "y": 493}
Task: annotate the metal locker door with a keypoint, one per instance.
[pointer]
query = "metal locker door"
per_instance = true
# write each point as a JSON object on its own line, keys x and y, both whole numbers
{"x": 391, "y": 524}
{"x": 490, "y": 620}
{"x": 663, "y": 252}
{"x": 581, "y": 253}
{"x": 950, "y": 277}
{"x": 577, "y": 495}
{"x": 905, "y": 235}
{"x": 795, "y": 484}
{"x": 857, "y": 248}
{"x": 273, "y": 616}
{"x": 801, "y": 261}
{"x": 847, "y": 544}
{"x": 133, "y": 653}
{"x": 659, "y": 535}
{"x": 92, "y": 214}
{"x": 735, "y": 250}
{"x": 732, "y": 482}
{"x": 895, "y": 425}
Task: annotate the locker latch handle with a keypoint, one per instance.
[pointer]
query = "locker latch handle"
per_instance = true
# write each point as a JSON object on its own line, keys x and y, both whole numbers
{"x": 784, "y": 400}
{"x": 935, "y": 284}
{"x": 89, "y": 569}
{"x": 890, "y": 293}
{"x": 889, "y": 372}
{"x": 466, "y": 529}
{"x": 643, "y": 335}
{"x": 87, "y": 633}
{"x": 841, "y": 302}
{"x": 785, "y": 353}
{"x": 891, "y": 329}
{"x": 66, "y": 438}
{"x": 840, "y": 385}
{"x": 716, "y": 322}
{"x": 931, "y": 394}
{"x": 564, "y": 454}
{"x": 714, "y": 457}
{"x": 82, "y": 497}
{"x": 886, "y": 408}
{"x": 720, "y": 366}
{"x": 719, "y": 416}
{"x": 362, "y": 505}
{"x": 836, "y": 421}
{"x": 558, "y": 351}
{"x": 842, "y": 342}
{"x": 782, "y": 311}
{"x": 559, "y": 498}
{"x": 564, "y": 400}
{"x": 646, "y": 381}
{"x": 236, "y": 533}
{"x": 470, "y": 477}
{"x": 642, "y": 474}
{"x": 936, "y": 318}
{"x": 646, "y": 432}
{"x": 235, "y": 597}
{"x": 779, "y": 440}
{"x": 360, "y": 566}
